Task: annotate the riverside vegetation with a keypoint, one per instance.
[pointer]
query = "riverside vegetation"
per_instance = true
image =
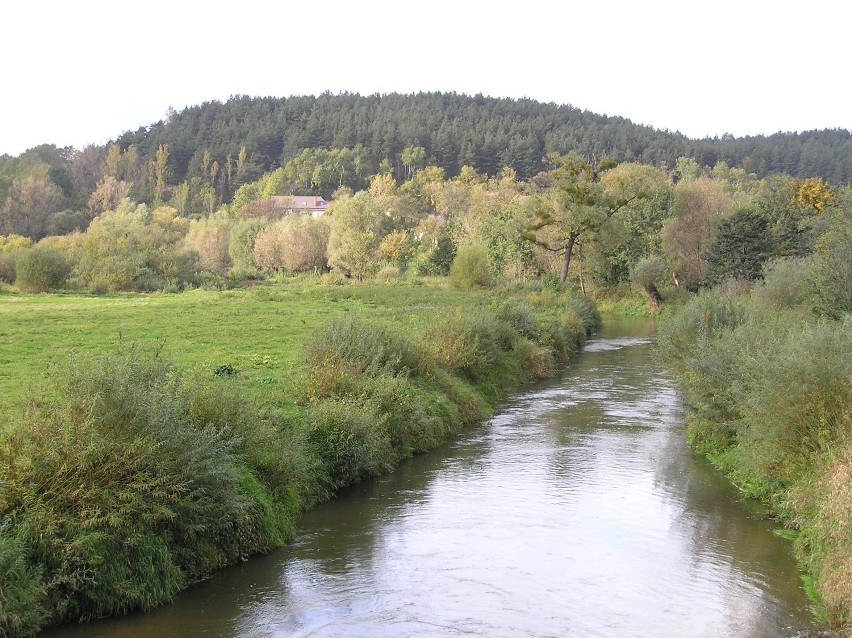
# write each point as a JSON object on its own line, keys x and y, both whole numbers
{"x": 769, "y": 387}
{"x": 128, "y": 476}
{"x": 299, "y": 353}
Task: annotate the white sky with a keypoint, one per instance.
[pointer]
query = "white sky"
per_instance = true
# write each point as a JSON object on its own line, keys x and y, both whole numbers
{"x": 85, "y": 71}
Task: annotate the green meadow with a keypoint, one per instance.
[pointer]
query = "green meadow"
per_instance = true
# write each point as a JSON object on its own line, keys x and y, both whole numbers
{"x": 258, "y": 331}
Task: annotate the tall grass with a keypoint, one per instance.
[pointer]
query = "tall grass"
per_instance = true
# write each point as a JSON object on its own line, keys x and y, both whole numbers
{"x": 769, "y": 389}
{"x": 122, "y": 491}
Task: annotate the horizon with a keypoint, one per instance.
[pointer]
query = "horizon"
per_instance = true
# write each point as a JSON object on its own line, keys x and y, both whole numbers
{"x": 86, "y": 72}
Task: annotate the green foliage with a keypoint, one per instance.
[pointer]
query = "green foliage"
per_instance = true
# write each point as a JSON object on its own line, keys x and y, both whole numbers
{"x": 785, "y": 283}
{"x": 454, "y": 130}
{"x": 831, "y": 271}
{"x": 770, "y": 402}
{"x": 470, "y": 268}
{"x": 41, "y": 269}
{"x": 7, "y": 268}
{"x": 687, "y": 344}
{"x": 22, "y": 609}
{"x": 347, "y": 440}
{"x": 133, "y": 248}
{"x": 355, "y": 235}
{"x": 359, "y": 347}
{"x": 241, "y": 245}
{"x": 791, "y": 394}
{"x": 509, "y": 256}
{"x": 586, "y": 309}
{"x": 740, "y": 246}
{"x": 123, "y": 489}
{"x": 651, "y": 271}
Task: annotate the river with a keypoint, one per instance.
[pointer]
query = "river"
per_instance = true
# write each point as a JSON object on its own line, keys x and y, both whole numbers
{"x": 577, "y": 510}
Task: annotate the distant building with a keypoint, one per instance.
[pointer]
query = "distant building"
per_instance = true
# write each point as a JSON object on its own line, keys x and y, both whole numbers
{"x": 299, "y": 204}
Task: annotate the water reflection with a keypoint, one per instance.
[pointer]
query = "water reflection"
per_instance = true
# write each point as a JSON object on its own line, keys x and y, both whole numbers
{"x": 576, "y": 511}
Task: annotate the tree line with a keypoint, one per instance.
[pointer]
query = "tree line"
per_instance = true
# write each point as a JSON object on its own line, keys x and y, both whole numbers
{"x": 594, "y": 225}
{"x": 199, "y": 158}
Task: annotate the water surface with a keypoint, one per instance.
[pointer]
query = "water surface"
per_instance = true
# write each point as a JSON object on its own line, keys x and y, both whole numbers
{"x": 577, "y": 510}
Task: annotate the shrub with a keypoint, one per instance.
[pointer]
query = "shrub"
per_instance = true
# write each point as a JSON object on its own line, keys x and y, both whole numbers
{"x": 790, "y": 387}
{"x": 587, "y": 311}
{"x": 705, "y": 370}
{"x": 785, "y": 283}
{"x": 333, "y": 279}
{"x": 470, "y": 268}
{"x": 822, "y": 511}
{"x": 706, "y": 315}
{"x": 466, "y": 343}
{"x": 830, "y": 276}
{"x": 519, "y": 316}
{"x": 304, "y": 244}
{"x": 241, "y": 245}
{"x": 537, "y": 361}
{"x": 133, "y": 248}
{"x": 345, "y": 440}
{"x": 210, "y": 239}
{"x": 347, "y": 346}
{"x": 22, "y": 611}
{"x": 7, "y": 268}
{"x": 41, "y": 269}
{"x": 123, "y": 491}
{"x": 388, "y": 274}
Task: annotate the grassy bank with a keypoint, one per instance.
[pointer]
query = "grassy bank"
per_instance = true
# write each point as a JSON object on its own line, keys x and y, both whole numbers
{"x": 163, "y": 437}
{"x": 770, "y": 397}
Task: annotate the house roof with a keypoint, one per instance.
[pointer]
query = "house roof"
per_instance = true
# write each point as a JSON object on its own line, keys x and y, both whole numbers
{"x": 300, "y": 202}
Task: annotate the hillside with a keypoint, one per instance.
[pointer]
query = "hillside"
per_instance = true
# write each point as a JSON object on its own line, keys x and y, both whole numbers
{"x": 457, "y": 130}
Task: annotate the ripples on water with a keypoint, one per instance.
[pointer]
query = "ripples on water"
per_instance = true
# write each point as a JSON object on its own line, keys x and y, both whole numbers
{"x": 575, "y": 511}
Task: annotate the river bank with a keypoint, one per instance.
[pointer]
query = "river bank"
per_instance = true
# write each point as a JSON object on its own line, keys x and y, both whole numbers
{"x": 128, "y": 477}
{"x": 770, "y": 404}
{"x": 576, "y": 509}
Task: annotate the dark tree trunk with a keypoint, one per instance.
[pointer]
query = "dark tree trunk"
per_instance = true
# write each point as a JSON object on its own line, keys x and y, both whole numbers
{"x": 654, "y": 294}
{"x": 566, "y": 257}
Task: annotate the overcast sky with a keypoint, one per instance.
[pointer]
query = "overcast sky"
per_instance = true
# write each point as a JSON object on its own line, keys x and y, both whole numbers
{"x": 83, "y": 72}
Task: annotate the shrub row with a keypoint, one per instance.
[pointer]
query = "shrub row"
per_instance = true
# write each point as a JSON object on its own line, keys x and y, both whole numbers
{"x": 771, "y": 404}
{"x": 124, "y": 480}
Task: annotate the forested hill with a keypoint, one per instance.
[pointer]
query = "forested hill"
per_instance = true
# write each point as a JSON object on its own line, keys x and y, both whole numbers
{"x": 457, "y": 130}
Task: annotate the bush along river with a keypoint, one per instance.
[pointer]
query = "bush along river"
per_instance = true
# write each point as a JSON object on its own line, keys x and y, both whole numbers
{"x": 577, "y": 510}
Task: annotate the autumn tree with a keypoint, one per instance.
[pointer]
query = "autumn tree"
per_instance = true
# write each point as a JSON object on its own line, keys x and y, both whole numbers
{"x": 298, "y": 243}
{"x": 210, "y": 237}
{"x": 696, "y": 206}
{"x": 31, "y": 201}
{"x": 581, "y": 200}
{"x": 356, "y": 230}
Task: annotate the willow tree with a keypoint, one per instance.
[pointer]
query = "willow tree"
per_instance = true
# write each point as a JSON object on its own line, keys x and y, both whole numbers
{"x": 580, "y": 201}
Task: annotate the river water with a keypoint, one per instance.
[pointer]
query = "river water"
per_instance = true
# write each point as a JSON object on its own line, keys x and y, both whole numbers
{"x": 577, "y": 510}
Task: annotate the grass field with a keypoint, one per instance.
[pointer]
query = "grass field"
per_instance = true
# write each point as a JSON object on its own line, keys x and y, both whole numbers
{"x": 258, "y": 331}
